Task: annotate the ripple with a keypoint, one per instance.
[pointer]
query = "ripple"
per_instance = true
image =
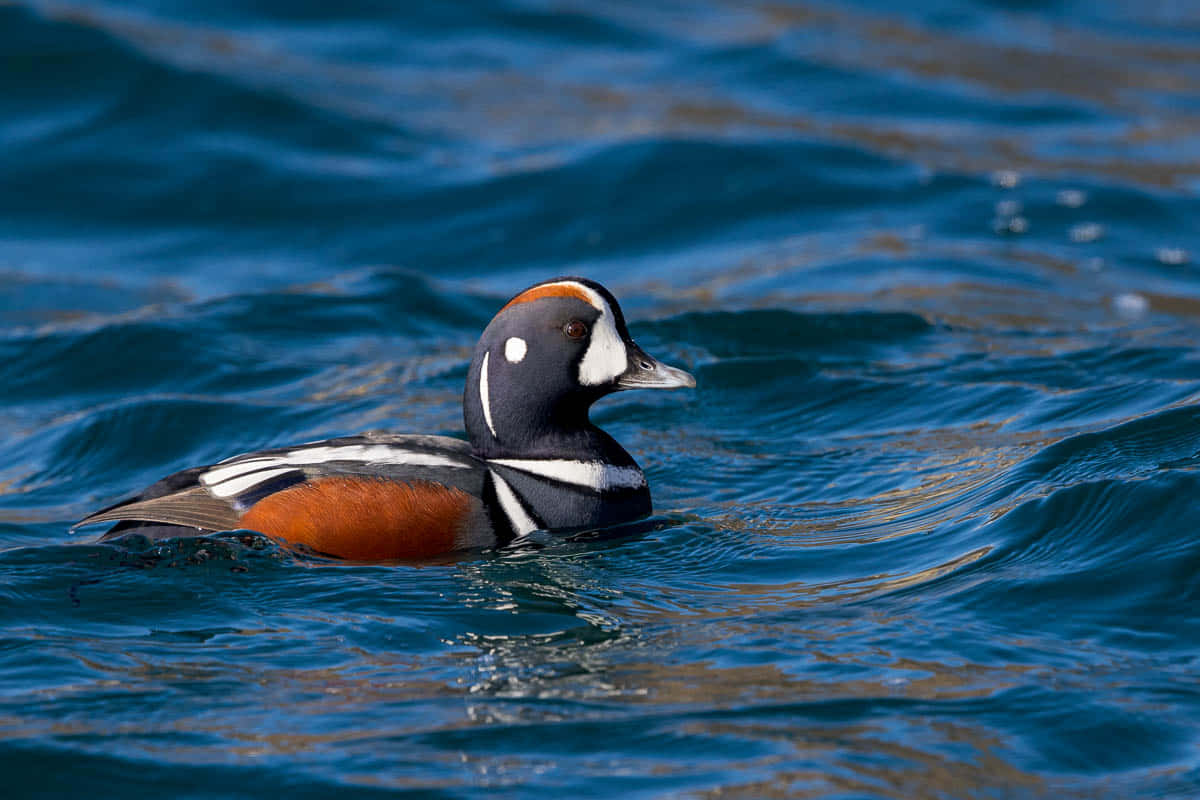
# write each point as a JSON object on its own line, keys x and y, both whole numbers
{"x": 1133, "y": 449}
{"x": 924, "y": 528}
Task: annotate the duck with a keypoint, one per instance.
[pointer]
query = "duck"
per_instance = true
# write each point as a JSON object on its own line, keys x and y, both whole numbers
{"x": 532, "y": 460}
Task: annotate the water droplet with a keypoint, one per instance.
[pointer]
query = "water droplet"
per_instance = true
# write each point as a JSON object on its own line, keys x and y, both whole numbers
{"x": 1172, "y": 256}
{"x": 1131, "y": 304}
{"x": 1017, "y": 225}
{"x": 1086, "y": 232}
{"x": 1006, "y": 178}
{"x": 1008, "y": 208}
{"x": 1071, "y": 198}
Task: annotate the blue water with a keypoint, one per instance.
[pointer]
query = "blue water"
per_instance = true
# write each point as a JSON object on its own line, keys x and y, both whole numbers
{"x": 928, "y": 527}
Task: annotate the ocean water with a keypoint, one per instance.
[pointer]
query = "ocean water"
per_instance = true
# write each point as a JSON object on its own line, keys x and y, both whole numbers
{"x": 928, "y": 527}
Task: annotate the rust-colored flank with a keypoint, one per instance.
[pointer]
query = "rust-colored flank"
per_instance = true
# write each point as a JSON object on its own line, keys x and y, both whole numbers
{"x": 364, "y": 519}
{"x": 564, "y": 289}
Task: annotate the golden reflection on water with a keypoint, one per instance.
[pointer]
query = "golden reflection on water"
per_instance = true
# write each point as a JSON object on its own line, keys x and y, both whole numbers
{"x": 389, "y": 706}
{"x": 616, "y": 642}
{"x": 1138, "y": 82}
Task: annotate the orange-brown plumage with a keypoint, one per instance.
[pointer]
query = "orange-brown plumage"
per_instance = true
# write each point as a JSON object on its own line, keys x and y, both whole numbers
{"x": 550, "y": 290}
{"x": 365, "y": 519}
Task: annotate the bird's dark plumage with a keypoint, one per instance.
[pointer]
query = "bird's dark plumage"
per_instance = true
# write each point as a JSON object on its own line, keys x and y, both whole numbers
{"x": 534, "y": 459}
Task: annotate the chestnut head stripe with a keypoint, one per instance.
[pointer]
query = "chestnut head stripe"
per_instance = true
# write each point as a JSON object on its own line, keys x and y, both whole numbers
{"x": 558, "y": 289}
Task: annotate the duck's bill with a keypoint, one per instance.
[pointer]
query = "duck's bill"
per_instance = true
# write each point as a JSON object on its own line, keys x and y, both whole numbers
{"x": 645, "y": 372}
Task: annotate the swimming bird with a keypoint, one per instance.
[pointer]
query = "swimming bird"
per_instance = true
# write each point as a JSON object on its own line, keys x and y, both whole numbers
{"x": 534, "y": 460}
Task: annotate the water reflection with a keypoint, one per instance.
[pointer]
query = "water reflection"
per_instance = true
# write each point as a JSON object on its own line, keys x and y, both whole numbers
{"x": 922, "y": 527}
{"x": 621, "y": 98}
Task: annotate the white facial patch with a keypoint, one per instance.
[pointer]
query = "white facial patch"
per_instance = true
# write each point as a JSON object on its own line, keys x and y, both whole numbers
{"x": 514, "y": 349}
{"x": 605, "y": 357}
{"x": 483, "y": 395}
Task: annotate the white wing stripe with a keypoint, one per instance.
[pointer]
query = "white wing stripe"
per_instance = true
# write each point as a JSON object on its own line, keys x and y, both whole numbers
{"x": 240, "y": 468}
{"x": 372, "y": 454}
{"x": 592, "y": 474}
{"x": 238, "y": 485}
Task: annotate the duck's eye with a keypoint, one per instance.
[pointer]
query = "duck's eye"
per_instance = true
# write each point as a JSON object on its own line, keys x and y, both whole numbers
{"x": 575, "y": 329}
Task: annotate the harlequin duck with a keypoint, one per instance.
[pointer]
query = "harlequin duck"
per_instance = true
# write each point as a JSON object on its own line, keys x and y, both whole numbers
{"x": 534, "y": 461}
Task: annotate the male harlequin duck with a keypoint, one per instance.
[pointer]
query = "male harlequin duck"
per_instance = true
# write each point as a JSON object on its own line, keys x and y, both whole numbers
{"x": 535, "y": 460}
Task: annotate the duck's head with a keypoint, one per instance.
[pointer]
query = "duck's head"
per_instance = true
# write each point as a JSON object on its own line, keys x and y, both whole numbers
{"x": 549, "y": 353}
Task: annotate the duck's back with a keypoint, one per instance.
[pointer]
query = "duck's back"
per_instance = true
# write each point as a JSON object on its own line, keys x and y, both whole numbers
{"x": 368, "y": 497}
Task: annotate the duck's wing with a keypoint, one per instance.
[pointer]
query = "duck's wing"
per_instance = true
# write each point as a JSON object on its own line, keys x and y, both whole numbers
{"x": 363, "y": 473}
{"x": 177, "y": 499}
{"x": 192, "y": 508}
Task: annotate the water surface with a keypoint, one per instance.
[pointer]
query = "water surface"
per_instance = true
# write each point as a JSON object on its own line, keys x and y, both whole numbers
{"x": 926, "y": 528}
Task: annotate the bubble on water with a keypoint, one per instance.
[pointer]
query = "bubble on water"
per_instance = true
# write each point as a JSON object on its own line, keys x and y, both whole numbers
{"x": 1006, "y": 178}
{"x": 1008, "y": 208}
{"x": 1172, "y": 256}
{"x": 1086, "y": 232}
{"x": 1071, "y": 198}
{"x": 1131, "y": 304}
{"x": 1094, "y": 264}
{"x": 1015, "y": 225}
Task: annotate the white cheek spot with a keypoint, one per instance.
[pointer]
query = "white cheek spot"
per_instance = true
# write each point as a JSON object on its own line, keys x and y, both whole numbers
{"x": 483, "y": 395}
{"x": 514, "y": 349}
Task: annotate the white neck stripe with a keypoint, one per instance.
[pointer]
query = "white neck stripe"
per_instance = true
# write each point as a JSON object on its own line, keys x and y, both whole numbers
{"x": 483, "y": 395}
{"x": 521, "y": 522}
{"x": 592, "y": 474}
